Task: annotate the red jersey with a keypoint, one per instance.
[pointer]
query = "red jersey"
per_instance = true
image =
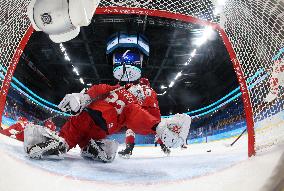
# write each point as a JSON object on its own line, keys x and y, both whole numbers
{"x": 141, "y": 117}
{"x": 15, "y": 131}
{"x": 118, "y": 107}
{"x": 117, "y": 98}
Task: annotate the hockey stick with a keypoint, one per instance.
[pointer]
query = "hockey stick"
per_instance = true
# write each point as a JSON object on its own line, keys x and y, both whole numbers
{"x": 238, "y": 137}
{"x": 88, "y": 103}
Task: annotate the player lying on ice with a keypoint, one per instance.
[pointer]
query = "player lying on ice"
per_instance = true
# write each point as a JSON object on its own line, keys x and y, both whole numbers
{"x": 111, "y": 108}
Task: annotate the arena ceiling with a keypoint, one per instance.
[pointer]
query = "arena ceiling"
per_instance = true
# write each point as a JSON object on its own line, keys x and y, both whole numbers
{"x": 208, "y": 76}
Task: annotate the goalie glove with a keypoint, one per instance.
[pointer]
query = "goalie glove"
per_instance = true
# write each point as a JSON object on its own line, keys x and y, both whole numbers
{"x": 74, "y": 102}
{"x": 174, "y": 131}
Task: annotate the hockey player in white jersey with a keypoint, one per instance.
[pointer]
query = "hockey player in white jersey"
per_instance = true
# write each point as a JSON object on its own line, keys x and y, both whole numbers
{"x": 276, "y": 81}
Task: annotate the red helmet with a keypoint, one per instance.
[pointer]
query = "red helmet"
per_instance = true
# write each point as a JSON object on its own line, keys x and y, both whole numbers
{"x": 144, "y": 81}
{"x": 22, "y": 119}
{"x": 49, "y": 124}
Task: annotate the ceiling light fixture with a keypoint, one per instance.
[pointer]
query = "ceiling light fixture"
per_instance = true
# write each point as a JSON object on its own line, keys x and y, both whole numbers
{"x": 76, "y": 71}
{"x": 193, "y": 53}
{"x": 206, "y": 34}
{"x": 187, "y": 62}
{"x": 178, "y": 75}
{"x": 171, "y": 84}
{"x": 82, "y": 81}
{"x": 162, "y": 93}
{"x": 163, "y": 87}
{"x": 63, "y": 50}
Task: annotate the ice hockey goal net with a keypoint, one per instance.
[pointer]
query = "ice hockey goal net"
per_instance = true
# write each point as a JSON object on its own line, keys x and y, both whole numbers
{"x": 253, "y": 32}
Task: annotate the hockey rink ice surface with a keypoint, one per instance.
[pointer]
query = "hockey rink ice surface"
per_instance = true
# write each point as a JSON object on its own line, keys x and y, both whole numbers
{"x": 195, "y": 168}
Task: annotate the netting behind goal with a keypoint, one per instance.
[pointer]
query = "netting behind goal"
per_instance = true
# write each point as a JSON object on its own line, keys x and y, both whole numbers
{"x": 253, "y": 32}
{"x": 256, "y": 31}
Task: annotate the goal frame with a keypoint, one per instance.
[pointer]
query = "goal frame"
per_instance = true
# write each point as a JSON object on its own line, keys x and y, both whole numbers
{"x": 156, "y": 13}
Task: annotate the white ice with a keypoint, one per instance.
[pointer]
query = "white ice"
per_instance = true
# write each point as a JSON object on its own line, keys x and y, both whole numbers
{"x": 224, "y": 168}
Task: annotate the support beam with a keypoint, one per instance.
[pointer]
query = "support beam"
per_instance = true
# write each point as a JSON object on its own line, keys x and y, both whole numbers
{"x": 88, "y": 49}
{"x": 161, "y": 67}
{"x": 60, "y": 56}
{"x": 106, "y": 65}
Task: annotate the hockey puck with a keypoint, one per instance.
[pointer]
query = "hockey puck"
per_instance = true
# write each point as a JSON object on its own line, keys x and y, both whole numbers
{"x": 208, "y": 151}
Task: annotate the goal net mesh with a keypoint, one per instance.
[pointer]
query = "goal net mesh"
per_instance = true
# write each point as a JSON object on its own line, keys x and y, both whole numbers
{"x": 254, "y": 28}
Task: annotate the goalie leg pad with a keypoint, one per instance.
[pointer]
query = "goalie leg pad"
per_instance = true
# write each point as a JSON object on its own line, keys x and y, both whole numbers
{"x": 101, "y": 150}
{"x": 41, "y": 142}
{"x": 49, "y": 149}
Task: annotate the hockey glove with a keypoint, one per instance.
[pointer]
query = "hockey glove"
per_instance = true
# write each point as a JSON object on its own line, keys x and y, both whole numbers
{"x": 74, "y": 102}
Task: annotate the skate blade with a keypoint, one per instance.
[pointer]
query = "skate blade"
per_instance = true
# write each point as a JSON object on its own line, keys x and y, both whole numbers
{"x": 54, "y": 157}
{"x": 124, "y": 156}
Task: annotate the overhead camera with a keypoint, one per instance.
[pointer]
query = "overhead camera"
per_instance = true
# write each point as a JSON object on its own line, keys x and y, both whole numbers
{"x": 61, "y": 19}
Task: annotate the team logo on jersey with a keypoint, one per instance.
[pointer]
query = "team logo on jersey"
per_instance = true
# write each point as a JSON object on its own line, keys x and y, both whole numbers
{"x": 46, "y": 18}
{"x": 174, "y": 128}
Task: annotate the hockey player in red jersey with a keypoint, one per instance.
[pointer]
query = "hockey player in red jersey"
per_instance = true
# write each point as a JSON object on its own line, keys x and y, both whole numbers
{"x": 16, "y": 131}
{"x": 113, "y": 108}
{"x": 129, "y": 142}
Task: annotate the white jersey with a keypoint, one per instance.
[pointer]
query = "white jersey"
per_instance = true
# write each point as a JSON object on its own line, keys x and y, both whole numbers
{"x": 278, "y": 72}
{"x": 276, "y": 81}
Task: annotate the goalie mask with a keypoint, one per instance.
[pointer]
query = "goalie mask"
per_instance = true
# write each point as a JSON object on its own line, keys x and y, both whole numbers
{"x": 127, "y": 66}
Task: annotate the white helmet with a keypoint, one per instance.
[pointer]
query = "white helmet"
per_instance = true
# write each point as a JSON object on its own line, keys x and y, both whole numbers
{"x": 61, "y": 19}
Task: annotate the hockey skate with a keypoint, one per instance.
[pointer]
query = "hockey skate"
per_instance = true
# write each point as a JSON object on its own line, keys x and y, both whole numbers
{"x": 127, "y": 151}
{"x": 100, "y": 150}
{"x": 165, "y": 149}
